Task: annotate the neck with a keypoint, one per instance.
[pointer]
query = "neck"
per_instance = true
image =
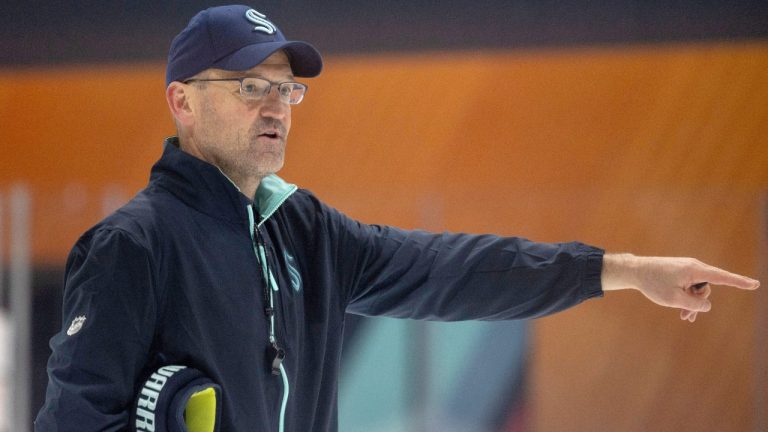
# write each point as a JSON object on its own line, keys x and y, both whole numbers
{"x": 247, "y": 185}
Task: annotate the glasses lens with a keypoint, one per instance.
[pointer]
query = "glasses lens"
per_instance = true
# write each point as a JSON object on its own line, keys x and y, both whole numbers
{"x": 292, "y": 92}
{"x": 254, "y": 88}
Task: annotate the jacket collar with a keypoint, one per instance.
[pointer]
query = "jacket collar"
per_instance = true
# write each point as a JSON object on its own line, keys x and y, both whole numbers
{"x": 204, "y": 187}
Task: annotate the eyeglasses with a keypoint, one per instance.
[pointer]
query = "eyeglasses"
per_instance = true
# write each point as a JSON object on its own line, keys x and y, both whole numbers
{"x": 252, "y": 88}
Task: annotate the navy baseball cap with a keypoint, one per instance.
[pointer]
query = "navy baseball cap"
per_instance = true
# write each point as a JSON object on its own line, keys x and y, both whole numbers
{"x": 235, "y": 38}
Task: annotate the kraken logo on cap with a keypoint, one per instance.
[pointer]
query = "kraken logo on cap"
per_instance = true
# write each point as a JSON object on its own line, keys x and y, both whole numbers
{"x": 262, "y": 23}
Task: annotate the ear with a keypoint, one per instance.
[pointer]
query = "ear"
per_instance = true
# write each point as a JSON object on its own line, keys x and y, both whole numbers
{"x": 178, "y": 97}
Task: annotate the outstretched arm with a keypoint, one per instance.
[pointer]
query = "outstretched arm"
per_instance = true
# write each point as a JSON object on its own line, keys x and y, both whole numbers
{"x": 674, "y": 282}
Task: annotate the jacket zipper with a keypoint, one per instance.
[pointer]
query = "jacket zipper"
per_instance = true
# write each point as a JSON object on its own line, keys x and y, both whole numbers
{"x": 276, "y": 353}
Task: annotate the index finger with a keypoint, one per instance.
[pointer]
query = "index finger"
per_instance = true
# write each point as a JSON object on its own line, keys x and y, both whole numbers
{"x": 721, "y": 277}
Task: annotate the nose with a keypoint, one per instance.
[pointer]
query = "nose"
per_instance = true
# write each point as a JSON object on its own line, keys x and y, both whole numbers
{"x": 272, "y": 106}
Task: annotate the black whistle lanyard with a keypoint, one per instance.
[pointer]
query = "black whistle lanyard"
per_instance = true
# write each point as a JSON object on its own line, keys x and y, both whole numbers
{"x": 275, "y": 354}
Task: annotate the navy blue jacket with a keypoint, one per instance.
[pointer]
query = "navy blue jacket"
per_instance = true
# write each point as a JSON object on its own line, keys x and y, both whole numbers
{"x": 177, "y": 277}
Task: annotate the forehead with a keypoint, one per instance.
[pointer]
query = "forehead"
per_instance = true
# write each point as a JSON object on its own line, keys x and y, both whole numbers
{"x": 276, "y": 64}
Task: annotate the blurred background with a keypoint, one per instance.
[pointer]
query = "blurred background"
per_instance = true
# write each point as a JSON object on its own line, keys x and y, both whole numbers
{"x": 636, "y": 126}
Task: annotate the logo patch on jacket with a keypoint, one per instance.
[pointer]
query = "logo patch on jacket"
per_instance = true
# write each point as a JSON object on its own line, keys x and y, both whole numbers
{"x": 293, "y": 271}
{"x": 76, "y": 325}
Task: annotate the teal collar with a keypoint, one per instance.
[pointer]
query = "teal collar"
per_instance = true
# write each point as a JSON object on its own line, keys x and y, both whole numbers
{"x": 271, "y": 194}
{"x": 205, "y": 187}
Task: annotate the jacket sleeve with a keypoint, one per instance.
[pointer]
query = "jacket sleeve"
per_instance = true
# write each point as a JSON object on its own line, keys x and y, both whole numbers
{"x": 449, "y": 277}
{"x": 108, "y": 322}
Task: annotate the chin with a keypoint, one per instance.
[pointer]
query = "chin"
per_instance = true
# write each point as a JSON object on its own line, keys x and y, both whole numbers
{"x": 268, "y": 169}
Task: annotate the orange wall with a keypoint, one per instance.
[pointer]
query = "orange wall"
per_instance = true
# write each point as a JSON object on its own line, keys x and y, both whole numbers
{"x": 655, "y": 150}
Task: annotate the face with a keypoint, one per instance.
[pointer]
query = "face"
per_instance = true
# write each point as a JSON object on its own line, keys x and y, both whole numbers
{"x": 245, "y": 139}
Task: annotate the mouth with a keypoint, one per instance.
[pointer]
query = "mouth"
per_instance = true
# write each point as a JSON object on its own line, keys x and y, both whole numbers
{"x": 271, "y": 134}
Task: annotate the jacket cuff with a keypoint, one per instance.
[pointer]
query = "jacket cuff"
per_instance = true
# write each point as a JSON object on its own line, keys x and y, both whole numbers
{"x": 591, "y": 278}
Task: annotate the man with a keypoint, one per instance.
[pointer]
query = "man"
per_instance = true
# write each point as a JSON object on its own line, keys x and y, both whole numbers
{"x": 222, "y": 267}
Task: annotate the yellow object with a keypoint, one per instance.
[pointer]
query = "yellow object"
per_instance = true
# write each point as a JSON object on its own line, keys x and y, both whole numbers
{"x": 200, "y": 412}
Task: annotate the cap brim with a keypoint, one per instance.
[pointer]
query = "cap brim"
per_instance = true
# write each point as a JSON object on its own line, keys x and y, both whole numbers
{"x": 304, "y": 58}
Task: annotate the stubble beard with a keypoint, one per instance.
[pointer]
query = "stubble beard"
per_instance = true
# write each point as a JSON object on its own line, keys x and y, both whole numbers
{"x": 242, "y": 156}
